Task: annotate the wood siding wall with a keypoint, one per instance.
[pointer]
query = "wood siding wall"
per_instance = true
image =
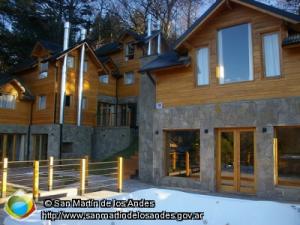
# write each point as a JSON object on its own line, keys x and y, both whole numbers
{"x": 177, "y": 87}
{"x": 40, "y": 87}
{"x": 132, "y": 65}
{"x": 19, "y": 115}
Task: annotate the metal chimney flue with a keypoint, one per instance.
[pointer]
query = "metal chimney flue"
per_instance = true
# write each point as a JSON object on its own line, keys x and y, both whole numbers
{"x": 81, "y": 72}
{"x": 64, "y": 72}
{"x": 66, "y": 35}
{"x": 149, "y": 25}
{"x": 82, "y": 34}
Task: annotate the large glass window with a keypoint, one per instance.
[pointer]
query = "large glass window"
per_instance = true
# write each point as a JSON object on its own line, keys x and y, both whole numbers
{"x": 271, "y": 55}
{"x": 288, "y": 155}
{"x": 235, "y": 54}
{"x": 183, "y": 153}
{"x": 202, "y": 66}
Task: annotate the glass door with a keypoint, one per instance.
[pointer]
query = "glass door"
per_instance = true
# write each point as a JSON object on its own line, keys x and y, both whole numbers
{"x": 236, "y": 160}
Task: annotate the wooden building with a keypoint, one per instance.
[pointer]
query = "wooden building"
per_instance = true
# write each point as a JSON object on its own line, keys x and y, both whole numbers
{"x": 227, "y": 104}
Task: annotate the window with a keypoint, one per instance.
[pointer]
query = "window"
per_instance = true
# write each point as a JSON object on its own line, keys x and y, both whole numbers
{"x": 42, "y": 102}
{"x": 104, "y": 79}
{"x": 235, "y": 54}
{"x": 129, "y": 78}
{"x": 106, "y": 116}
{"x": 83, "y": 103}
{"x": 70, "y": 62}
{"x": 271, "y": 55}
{"x": 7, "y": 101}
{"x": 202, "y": 66}
{"x": 129, "y": 51}
{"x": 183, "y": 153}
{"x": 68, "y": 100}
{"x": 288, "y": 155}
{"x": 85, "y": 66}
{"x": 43, "y": 70}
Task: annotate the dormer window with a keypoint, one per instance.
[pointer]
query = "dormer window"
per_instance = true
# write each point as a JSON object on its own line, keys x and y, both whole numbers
{"x": 43, "y": 70}
{"x": 129, "y": 51}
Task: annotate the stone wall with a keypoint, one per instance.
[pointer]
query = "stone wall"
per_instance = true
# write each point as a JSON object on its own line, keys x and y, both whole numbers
{"x": 108, "y": 141}
{"x": 259, "y": 114}
{"x": 81, "y": 139}
{"x": 53, "y": 132}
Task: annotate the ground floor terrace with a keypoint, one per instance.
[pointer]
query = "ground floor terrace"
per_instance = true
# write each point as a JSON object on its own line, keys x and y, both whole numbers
{"x": 246, "y": 147}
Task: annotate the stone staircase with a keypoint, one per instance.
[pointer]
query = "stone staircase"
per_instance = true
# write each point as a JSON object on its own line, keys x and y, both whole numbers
{"x": 131, "y": 167}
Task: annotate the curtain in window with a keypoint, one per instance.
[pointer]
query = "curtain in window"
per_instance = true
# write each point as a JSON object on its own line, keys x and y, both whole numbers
{"x": 271, "y": 55}
{"x": 202, "y": 66}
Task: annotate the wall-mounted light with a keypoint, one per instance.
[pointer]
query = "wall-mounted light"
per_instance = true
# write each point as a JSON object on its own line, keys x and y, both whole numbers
{"x": 157, "y": 132}
{"x": 206, "y": 131}
{"x": 264, "y": 130}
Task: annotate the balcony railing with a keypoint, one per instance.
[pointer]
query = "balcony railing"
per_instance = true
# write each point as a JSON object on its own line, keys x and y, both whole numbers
{"x": 114, "y": 119}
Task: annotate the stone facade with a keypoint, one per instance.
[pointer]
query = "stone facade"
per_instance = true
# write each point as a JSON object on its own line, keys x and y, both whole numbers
{"x": 108, "y": 141}
{"x": 257, "y": 114}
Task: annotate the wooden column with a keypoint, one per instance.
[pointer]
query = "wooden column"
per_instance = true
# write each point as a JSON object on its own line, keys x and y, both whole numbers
{"x": 4, "y": 177}
{"x": 35, "y": 187}
{"x": 82, "y": 176}
{"x": 50, "y": 172}
{"x": 187, "y": 163}
{"x": 120, "y": 174}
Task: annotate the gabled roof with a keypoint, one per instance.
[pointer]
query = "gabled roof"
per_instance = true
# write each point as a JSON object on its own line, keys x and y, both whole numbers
{"x": 293, "y": 39}
{"x": 169, "y": 59}
{"x": 25, "y": 65}
{"x": 51, "y": 46}
{"x": 107, "y": 49}
{"x": 8, "y": 78}
{"x": 290, "y": 17}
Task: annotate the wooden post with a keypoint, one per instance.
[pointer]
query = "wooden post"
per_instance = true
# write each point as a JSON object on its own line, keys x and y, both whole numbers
{"x": 4, "y": 177}
{"x": 275, "y": 152}
{"x": 187, "y": 163}
{"x": 174, "y": 158}
{"x": 35, "y": 187}
{"x": 50, "y": 172}
{"x": 120, "y": 174}
{"x": 82, "y": 176}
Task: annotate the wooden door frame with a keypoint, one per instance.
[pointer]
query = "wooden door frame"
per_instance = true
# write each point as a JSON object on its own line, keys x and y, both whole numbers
{"x": 236, "y": 151}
